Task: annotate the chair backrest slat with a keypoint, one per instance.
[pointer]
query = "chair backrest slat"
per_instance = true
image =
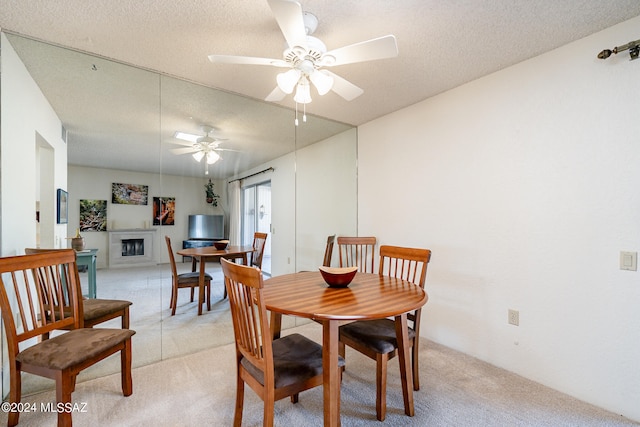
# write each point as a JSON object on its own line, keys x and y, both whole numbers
{"x": 357, "y": 251}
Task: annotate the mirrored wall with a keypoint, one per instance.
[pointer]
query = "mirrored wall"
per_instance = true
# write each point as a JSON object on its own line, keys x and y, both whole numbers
{"x": 116, "y": 124}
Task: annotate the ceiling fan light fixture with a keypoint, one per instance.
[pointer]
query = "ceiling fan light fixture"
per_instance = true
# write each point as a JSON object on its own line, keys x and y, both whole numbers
{"x": 303, "y": 92}
{"x": 212, "y": 157}
{"x": 198, "y": 155}
{"x": 322, "y": 80}
{"x": 287, "y": 80}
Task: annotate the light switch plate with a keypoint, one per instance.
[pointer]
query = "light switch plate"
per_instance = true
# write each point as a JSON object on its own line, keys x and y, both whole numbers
{"x": 629, "y": 261}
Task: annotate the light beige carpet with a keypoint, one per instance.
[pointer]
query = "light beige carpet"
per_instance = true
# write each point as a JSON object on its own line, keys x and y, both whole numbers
{"x": 199, "y": 390}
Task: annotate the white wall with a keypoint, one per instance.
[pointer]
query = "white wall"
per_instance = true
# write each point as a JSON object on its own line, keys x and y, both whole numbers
{"x": 525, "y": 186}
{"x": 27, "y": 121}
{"x": 326, "y": 203}
{"x": 95, "y": 184}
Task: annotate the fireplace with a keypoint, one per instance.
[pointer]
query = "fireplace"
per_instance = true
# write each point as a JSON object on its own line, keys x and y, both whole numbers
{"x": 131, "y": 248}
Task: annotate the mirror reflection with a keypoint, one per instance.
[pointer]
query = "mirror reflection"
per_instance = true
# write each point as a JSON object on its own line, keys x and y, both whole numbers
{"x": 98, "y": 128}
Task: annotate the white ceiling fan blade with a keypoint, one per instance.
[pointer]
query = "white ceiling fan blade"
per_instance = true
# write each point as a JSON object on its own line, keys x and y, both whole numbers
{"x": 246, "y": 60}
{"x": 183, "y": 150}
{"x": 183, "y": 142}
{"x": 289, "y": 17}
{"x": 276, "y": 95}
{"x": 380, "y": 48}
{"x": 344, "y": 88}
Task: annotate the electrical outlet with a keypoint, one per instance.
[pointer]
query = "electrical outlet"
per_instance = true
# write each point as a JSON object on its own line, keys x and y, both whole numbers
{"x": 514, "y": 317}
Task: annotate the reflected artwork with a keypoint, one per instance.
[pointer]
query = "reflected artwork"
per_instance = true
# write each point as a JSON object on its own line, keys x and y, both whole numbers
{"x": 93, "y": 215}
{"x": 164, "y": 209}
{"x": 129, "y": 194}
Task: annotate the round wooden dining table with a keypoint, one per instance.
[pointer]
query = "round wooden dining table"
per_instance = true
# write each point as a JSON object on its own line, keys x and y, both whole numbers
{"x": 369, "y": 296}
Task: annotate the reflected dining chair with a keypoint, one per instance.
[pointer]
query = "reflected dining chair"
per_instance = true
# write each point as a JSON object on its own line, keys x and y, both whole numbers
{"x": 273, "y": 368}
{"x": 39, "y": 294}
{"x": 185, "y": 280}
{"x": 357, "y": 252}
{"x": 259, "y": 241}
{"x": 377, "y": 338}
{"x": 328, "y": 251}
{"x": 95, "y": 310}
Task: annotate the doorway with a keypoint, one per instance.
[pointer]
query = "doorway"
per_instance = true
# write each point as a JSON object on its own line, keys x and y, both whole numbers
{"x": 256, "y": 217}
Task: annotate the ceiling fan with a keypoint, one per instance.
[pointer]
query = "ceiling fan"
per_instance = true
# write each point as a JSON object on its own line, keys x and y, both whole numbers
{"x": 307, "y": 57}
{"x": 200, "y": 146}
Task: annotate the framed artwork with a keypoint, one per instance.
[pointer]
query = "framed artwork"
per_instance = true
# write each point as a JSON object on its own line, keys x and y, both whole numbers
{"x": 63, "y": 207}
{"x": 164, "y": 209}
{"x": 93, "y": 215}
{"x": 129, "y": 194}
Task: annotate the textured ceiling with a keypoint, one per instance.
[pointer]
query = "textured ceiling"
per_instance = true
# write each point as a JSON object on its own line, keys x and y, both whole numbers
{"x": 442, "y": 44}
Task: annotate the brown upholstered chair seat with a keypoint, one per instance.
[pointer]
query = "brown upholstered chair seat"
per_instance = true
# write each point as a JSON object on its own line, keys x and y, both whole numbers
{"x": 379, "y": 334}
{"x": 73, "y": 348}
{"x": 98, "y": 308}
{"x": 192, "y": 277}
{"x": 295, "y": 359}
{"x": 94, "y": 309}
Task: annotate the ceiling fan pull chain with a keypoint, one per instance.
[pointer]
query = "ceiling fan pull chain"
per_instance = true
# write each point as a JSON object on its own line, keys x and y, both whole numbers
{"x": 296, "y": 120}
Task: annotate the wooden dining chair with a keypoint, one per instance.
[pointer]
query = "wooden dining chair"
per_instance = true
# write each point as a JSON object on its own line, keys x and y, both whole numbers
{"x": 377, "y": 338}
{"x": 357, "y": 252}
{"x": 273, "y": 368}
{"x": 328, "y": 251}
{"x": 95, "y": 310}
{"x": 185, "y": 280}
{"x": 259, "y": 242}
{"x": 32, "y": 287}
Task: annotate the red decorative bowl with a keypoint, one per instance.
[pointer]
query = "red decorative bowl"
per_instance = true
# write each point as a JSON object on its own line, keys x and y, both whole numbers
{"x": 221, "y": 244}
{"x": 338, "y": 277}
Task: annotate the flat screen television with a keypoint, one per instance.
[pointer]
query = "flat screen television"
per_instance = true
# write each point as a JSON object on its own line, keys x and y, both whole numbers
{"x": 206, "y": 227}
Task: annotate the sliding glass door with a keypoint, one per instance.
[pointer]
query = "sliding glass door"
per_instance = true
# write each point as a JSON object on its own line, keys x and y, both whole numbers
{"x": 256, "y": 217}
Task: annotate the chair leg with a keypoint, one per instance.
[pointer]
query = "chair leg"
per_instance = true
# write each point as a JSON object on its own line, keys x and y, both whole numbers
{"x": 269, "y": 408}
{"x": 381, "y": 386}
{"x": 342, "y": 353}
{"x": 192, "y": 291}
{"x": 295, "y": 398}
{"x": 174, "y": 300}
{"x": 173, "y": 295}
{"x": 237, "y": 417}
{"x": 125, "y": 369}
{"x": 125, "y": 318}
{"x": 64, "y": 386}
{"x": 15, "y": 394}
{"x": 208, "y": 285}
{"x": 416, "y": 374}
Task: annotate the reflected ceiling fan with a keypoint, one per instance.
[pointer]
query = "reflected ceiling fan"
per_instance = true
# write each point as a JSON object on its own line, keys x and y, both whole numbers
{"x": 307, "y": 57}
{"x": 200, "y": 146}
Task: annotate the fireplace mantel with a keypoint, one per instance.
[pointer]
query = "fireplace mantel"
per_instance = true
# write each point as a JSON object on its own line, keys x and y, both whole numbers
{"x": 116, "y": 256}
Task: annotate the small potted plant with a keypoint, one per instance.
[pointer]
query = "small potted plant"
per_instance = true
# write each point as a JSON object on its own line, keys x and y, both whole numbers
{"x": 211, "y": 196}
